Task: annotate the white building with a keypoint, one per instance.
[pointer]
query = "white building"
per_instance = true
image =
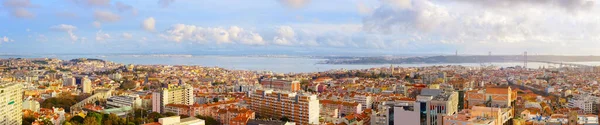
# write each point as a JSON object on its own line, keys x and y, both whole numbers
{"x": 365, "y": 100}
{"x": 177, "y": 120}
{"x": 11, "y": 100}
{"x": 173, "y": 94}
{"x": 69, "y": 81}
{"x": 31, "y": 104}
{"x": 86, "y": 85}
{"x": 584, "y": 102}
{"x": 401, "y": 112}
{"x": 122, "y": 101}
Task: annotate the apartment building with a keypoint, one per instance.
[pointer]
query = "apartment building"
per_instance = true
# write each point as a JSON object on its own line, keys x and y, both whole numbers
{"x": 404, "y": 111}
{"x": 479, "y": 115}
{"x": 172, "y": 94}
{"x": 86, "y": 85}
{"x": 11, "y": 100}
{"x": 283, "y": 85}
{"x": 300, "y": 108}
{"x": 491, "y": 97}
{"x": 344, "y": 108}
{"x": 436, "y": 103}
{"x": 123, "y": 101}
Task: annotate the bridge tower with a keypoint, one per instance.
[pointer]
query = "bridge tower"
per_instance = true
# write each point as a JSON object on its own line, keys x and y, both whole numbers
{"x": 525, "y": 59}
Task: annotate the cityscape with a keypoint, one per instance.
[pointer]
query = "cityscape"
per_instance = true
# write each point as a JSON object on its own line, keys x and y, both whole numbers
{"x": 299, "y": 62}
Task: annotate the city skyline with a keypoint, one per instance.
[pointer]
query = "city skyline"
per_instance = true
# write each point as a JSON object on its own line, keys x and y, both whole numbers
{"x": 300, "y": 26}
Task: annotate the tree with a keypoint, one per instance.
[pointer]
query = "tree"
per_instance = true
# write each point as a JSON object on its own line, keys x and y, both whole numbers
{"x": 77, "y": 119}
{"x": 208, "y": 120}
{"x": 154, "y": 116}
{"x": 215, "y": 99}
{"x": 285, "y": 119}
{"x": 90, "y": 121}
{"x": 98, "y": 116}
{"x": 28, "y": 120}
{"x": 169, "y": 114}
{"x": 67, "y": 123}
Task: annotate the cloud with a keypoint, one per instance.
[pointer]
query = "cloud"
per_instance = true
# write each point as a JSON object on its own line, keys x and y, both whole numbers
{"x": 63, "y": 28}
{"x": 570, "y": 5}
{"x": 294, "y": 4}
{"x": 218, "y": 35}
{"x": 99, "y": 3}
{"x": 100, "y": 36}
{"x": 165, "y": 3}
{"x": 126, "y": 36}
{"x": 364, "y": 9}
{"x": 66, "y": 28}
{"x": 148, "y": 24}
{"x": 97, "y": 24}
{"x": 6, "y": 39}
{"x": 106, "y": 16}
{"x": 285, "y": 36}
{"x": 67, "y": 15}
{"x": 18, "y": 8}
{"x": 122, "y": 7}
{"x": 41, "y": 38}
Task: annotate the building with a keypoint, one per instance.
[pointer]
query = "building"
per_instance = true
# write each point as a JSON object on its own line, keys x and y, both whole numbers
{"x": 344, "y": 108}
{"x": 491, "y": 97}
{"x": 284, "y": 85}
{"x": 584, "y": 102}
{"x": 399, "y": 112}
{"x": 122, "y": 101}
{"x": 364, "y": 99}
{"x": 86, "y": 85}
{"x": 177, "y": 120}
{"x": 300, "y": 108}
{"x": 434, "y": 104}
{"x": 478, "y": 115}
{"x": 31, "y": 104}
{"x": 69, "y": 81}
{"x": 11, "y": 100}
{"x": 173, "y": 94}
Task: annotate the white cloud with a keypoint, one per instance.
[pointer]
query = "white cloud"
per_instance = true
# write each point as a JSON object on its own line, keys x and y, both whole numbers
{"x": 126, "y": 35}
{"x": 63, "y": 27}
{"x": 27, "y": 30}
{"x": 66, "y": 28}
{"x": 18, "y": 8}
{"x": 41, "y": 38}
{"x": 218, "y": 35}
{"x": 67, "y": 15}
{"x": 148, "y": 24}
{"x": 97, "y": 24}
{"x": 165, "y": 3}
{"x": 6, "y": 39}
{"x": 363, "y": 9}
{"x": 295, "y": 4}
{"x": 285, "y": 36}
{"x": 106, "y": 16}
{"x": 100, "y": 36}
{"x": 99, "y": 3}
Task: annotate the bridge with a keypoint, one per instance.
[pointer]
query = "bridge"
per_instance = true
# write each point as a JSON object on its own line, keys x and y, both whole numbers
{"x": 99, "y": 95}
{"x": 562, "y": 64}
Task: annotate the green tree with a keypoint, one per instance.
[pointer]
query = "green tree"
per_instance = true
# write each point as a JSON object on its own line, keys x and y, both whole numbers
{"x": 90, "y": 121}
{"x": 154, "y": 116}
{"x": 169, "y": 114}
{"x": 67, "y": 123}
{"x": 28, "y": 120}
{"x": 208, "y": 120}
{"x": 215, "y": 99}
{"x": 77, "y": 119}
{"x": 95, "y": 115}
{"x": 285, "y": 119}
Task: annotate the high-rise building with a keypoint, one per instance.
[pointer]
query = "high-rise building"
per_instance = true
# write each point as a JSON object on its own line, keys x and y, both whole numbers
{"x": 31, "y": 104}
{"x": 300, "y": 108}
{"x": 173, "y": 94}
{"x": 69, "y": 81}
{"x": 123, "y": 101}
{"x": 284, "y": 85}
{"x": 11, "y": 100}
{"x": 86, "y": 85}
{"x": 436, "y": 103}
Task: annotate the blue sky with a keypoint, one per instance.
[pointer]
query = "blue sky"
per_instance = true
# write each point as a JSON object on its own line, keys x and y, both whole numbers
{"x": 382, "y": 27}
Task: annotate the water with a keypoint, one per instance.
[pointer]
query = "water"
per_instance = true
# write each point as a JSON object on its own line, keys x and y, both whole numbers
{"x": 275, "y": 64}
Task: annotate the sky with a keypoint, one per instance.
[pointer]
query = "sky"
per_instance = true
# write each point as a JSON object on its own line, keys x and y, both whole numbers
{"x": 312, "y": 27}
